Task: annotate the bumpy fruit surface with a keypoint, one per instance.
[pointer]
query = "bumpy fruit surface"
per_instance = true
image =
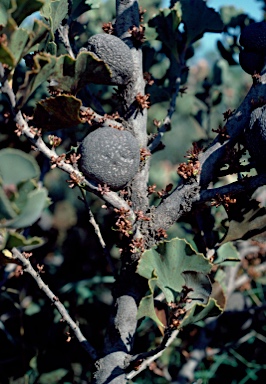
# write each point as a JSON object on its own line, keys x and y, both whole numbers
{"x": 251, "y": 62}
{"x": 116, "y": 54}
{"x": 253, "y": 39}
{"x": 255, "y": 136}
{"x": 110, "y": 156}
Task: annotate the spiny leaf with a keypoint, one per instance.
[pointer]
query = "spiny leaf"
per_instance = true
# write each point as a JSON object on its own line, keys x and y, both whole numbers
{"x": 17, "y": 166}
{"x": 218, "y": 294}
{"x": 198, "y": 19}
{"x": 57, "y": 112}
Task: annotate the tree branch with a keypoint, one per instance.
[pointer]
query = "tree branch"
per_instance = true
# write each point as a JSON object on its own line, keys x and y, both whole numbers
{"x": 98, "y": 232}
{"x": 167, "y": 121}
{"x": 211, "y": 159}
{"x": 110, "y": 197}
{"x": 234, "y": 188}
{"x": 27, "y": 267}
{"x": 152, "y": 355}
{"x": 180, "y": 200}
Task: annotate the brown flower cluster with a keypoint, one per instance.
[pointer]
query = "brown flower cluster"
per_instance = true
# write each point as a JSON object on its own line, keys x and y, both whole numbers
{"x": 225, "y": 200}
{"x": 56, "y": 161}
{"x": 142, "y": 101}
{"x": 103, "y": 189}
{"x": 258, "y": 103}
{"x": 151, "y": 189}
{"x": 108, "y": 28}
{"x": 161, "y": 233}
{"x": 148, "y": 78}
{"x": 137, "y": 245}
{"x": 123, "y": 223}
{"x": 227, "y": 114}
{"x": 222, "y": 132}
{"x": 165, "y": 191}
{"x": 87, "y": 116}
{"x": 138, "y": 33}
{"x": 140, "y": 216}
{"x": 54, "y": 141}
{"x": 232, "y": 158}
{"x": 177, "y": 310}
{"x": 144, "y": 153}
{"x": 141, "y": 14}
{"x": 75, "y": 180}
{"x": 193, "y": 153}
{"x": 188, "y": 170}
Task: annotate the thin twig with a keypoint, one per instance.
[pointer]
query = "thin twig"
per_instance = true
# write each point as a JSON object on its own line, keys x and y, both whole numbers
{"x": 151, "y": 356}
{"x": 64, "y": 37}
{"x": 167, "y": 121}
{"x": 27, "y": 267}
{"x": 98, "y": 232}
{"x": 237, "y": 187}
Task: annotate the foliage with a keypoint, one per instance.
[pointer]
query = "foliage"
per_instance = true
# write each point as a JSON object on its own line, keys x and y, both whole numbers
{"x": 183, "y": 255}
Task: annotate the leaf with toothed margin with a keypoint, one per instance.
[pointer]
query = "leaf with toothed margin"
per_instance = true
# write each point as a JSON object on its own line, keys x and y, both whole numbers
{"x": 246, "y": 220}
{"x": 198, "y": 19}
{"x": 199, "y": 312}
{"x": 68, "y": 74}
{"x": 71, "y": 75}
{"x": 227, "y": 254}
{"x": 25, "y": 8}
{"x": 57, "y": 112}
{"x": 43, "y": 68}
{"x": 166, "y": 24}
{"x": 54, "y": 11}
{"x": 169, "y": 267}
{"x": 15, "y": 239}
{"x": 22, "y": 41}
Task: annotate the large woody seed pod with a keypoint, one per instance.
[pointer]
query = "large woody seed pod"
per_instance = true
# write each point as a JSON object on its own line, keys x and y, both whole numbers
{"x": 110, "y": 156}
{"x": 116, "y": 54}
